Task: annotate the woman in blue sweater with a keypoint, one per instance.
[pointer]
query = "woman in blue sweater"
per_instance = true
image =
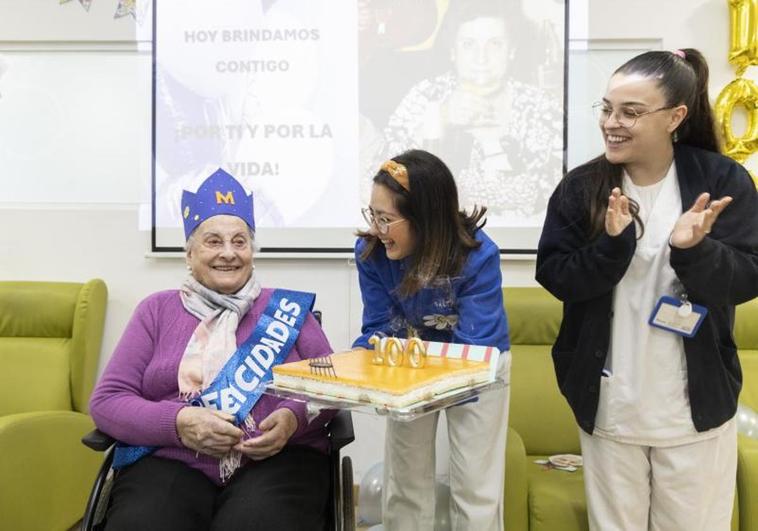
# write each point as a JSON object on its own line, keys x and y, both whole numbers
{"x": 427, "y": 267}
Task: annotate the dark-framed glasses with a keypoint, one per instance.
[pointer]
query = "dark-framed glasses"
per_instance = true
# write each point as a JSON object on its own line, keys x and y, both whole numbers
{"x": 381, "y": 223}
{"x": 626, "y": 116}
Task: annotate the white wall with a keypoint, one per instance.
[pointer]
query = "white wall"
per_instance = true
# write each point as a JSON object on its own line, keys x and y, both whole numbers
{"x": 75, "y": 132}
{"x": 615, "y": 30}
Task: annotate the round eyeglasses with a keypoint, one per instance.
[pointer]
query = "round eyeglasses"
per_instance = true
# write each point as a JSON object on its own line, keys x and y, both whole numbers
{"x": 625, "y": 116}
{"x": 381, "y": 223}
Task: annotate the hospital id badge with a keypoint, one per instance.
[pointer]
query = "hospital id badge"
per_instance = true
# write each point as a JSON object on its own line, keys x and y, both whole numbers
{"x": 680, "y": 317}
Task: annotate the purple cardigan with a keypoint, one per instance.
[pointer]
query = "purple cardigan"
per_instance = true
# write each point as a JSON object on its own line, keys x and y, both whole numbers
{"x": 137, "y": 399}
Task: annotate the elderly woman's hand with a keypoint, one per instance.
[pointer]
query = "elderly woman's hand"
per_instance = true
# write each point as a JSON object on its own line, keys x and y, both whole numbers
{"x": 467, "y": 108}
{"x": 278, "y": 427}
{"x": 207, "y": 431}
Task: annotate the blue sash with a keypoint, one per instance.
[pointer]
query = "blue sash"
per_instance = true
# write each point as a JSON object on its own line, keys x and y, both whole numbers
{"x": 240, "y": 383}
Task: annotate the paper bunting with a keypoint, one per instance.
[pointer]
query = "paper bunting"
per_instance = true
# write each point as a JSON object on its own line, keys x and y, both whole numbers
{"x": 134, "y": 8}
{"x": 126, "y": 7}
{"x": 267, "y": 4}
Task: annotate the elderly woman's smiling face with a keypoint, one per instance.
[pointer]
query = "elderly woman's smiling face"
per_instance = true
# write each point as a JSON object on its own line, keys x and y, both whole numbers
{"x": 220, "y": 253}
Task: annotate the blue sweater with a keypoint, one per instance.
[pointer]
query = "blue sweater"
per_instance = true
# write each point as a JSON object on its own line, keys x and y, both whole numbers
{"x": 465, "y": 309}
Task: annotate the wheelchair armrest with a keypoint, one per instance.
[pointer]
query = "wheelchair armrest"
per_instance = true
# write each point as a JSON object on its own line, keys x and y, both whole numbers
{"x": 341, "y": 430}
{"x": 98, "y": 440}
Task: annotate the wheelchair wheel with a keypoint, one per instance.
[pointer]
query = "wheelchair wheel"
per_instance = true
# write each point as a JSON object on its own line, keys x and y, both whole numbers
{"x": 348, "y": 506}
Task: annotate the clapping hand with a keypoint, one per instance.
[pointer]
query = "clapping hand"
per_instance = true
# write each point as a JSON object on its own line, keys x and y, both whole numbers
{"x": 207, "y": 431}
{"x": 277, "y": 429}
{"x": 692, "y": 226}
{"x": 618, "y": 216}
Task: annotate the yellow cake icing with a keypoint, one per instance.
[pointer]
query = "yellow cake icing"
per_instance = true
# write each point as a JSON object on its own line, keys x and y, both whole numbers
{"x": 359, "y": 379}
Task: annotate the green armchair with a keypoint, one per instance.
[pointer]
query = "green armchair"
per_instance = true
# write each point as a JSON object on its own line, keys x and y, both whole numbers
{"x": 50, "y": 338}
{"x": 541, "y": 418}
{"x": 746, "y": 337}
{"x": 542, "y": 424}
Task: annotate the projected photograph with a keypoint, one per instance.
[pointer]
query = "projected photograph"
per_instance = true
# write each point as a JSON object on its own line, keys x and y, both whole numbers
{"x": 483, "y": 89}
{"x": 302, "y": 101}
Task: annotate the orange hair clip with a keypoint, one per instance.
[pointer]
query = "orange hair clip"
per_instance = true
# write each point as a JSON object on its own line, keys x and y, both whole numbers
{"x": 398, "y": 172}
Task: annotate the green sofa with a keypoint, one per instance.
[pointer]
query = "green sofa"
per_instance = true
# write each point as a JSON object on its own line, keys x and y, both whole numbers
{"x": 541, "y": 423}
{"x": 50, "y": 338}
{"x": 746, "y": 337}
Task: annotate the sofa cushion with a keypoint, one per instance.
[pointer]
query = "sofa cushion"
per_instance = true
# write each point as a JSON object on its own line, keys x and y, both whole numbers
{"x": 746, "y": 325}
{"x": 34, "y": 374}
{"x": 556, "y": 498}
{"x": 749, "y": 393}
{"x": 746, "y": 337}
{"x": 37, "y": 309}
{"x": 534, "y": 316}
{"x": 538, "y": 411}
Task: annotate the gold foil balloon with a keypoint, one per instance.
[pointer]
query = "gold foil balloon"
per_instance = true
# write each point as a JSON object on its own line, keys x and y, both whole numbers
{"x": 739, "y": 93}
{"x": 743, "y": 52}
{"x": 743, "y": 21}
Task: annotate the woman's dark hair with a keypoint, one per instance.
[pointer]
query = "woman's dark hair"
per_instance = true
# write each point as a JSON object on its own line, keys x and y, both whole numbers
{"x": 683, "y": 81}
{"x": 518, "y": 30}
{"x": 444, "y": 233}
{"x": 462, "y": 11}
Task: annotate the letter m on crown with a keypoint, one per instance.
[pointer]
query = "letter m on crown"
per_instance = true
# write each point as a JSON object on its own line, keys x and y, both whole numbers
{"x": 228, "y": 198}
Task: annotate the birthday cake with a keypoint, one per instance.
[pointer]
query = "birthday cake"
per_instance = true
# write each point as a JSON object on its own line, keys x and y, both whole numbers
{"x": 355, "y": 376}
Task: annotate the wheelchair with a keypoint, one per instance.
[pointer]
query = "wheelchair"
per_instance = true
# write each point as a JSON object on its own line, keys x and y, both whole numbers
{"x": 341, "y": 510}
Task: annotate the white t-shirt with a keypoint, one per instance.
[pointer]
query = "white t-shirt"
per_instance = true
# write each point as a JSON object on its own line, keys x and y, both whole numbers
{"x": 645, "y": 400}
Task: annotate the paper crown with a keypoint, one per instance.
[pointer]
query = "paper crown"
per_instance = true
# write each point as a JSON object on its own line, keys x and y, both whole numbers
{"x": 218, "y": 194}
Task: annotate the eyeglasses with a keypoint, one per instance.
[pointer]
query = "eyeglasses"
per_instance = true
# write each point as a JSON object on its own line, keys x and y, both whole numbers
{"x": 381, "y": 223}
{"x": 625, "y": 116}
{"x": 215, "y": 242}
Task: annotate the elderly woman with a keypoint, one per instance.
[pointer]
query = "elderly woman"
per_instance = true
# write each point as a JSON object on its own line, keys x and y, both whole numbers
{"x": 203, "y": 448}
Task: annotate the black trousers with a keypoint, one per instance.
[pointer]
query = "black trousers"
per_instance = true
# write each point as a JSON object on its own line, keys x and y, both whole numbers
{"x": 288, "y": 491}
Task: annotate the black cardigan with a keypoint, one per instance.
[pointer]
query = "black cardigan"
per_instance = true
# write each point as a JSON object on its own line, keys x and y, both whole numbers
{"x": 718, "y": 273}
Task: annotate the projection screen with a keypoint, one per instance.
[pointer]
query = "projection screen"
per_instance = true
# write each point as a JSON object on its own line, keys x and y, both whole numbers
{"x": 302, "y": 100}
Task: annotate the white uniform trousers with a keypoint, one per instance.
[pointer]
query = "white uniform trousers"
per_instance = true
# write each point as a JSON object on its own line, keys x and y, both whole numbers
{"x": 688, "y": 487}
{"x": 477, "y": 432}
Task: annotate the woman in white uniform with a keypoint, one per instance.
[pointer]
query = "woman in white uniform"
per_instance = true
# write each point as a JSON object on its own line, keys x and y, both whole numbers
{"x": 650, "y": 246}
